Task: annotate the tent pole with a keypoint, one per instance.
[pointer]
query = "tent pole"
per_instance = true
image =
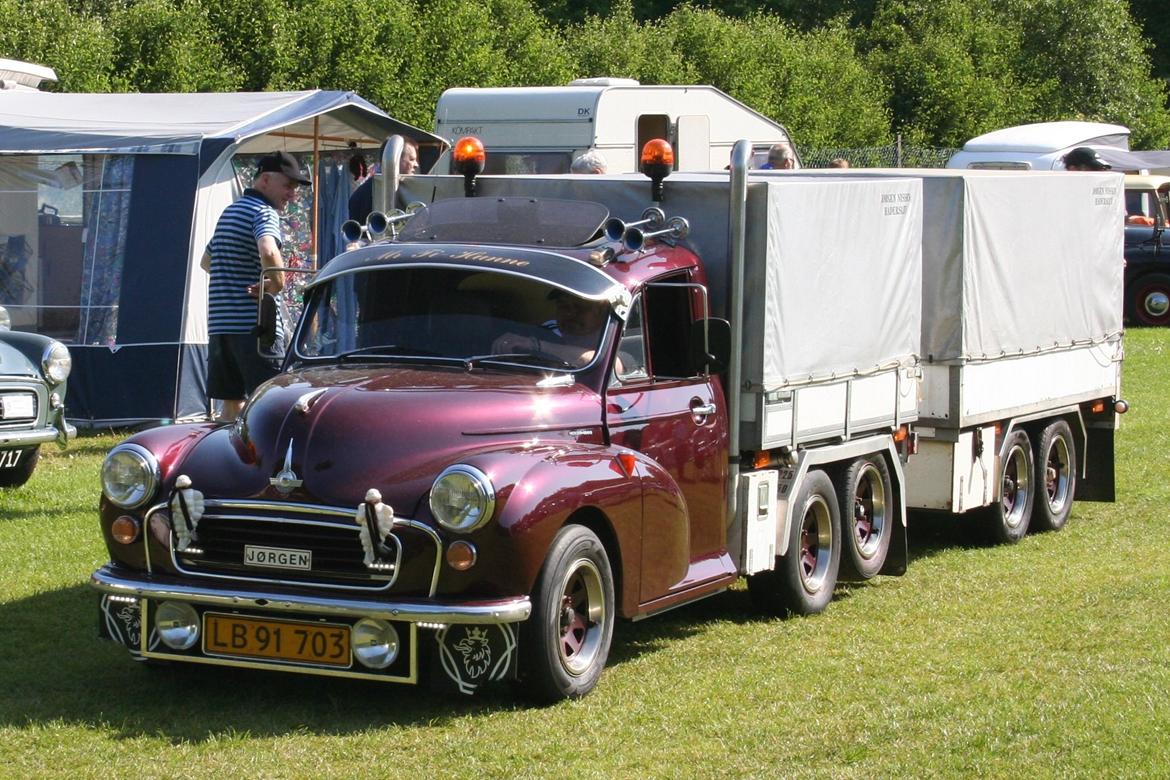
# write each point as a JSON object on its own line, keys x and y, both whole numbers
{"x": 316, "y": 184}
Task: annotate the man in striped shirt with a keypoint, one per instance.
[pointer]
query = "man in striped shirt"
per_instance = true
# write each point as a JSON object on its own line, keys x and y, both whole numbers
{"x": 246, "y": 239}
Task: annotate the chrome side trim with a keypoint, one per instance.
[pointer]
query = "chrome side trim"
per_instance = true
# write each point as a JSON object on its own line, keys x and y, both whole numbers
{"x": 511, "y": 610}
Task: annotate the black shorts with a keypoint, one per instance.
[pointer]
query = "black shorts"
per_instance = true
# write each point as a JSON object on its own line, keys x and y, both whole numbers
{"x": 234, "y": 367}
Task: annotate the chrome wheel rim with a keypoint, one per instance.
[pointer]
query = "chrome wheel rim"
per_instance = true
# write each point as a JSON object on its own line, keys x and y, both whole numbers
{"x": 1016, "y": 484}
{"x": 816, "y": 544}
{"x": 1057, "y": 475}
{"x": 1156, "y": 304}
{"x": 869, "y": 511}
{"x": 582, "y": 618}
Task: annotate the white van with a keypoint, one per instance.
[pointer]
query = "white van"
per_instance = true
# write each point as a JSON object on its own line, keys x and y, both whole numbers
{"x": 539, "y": 130}
{"x": 1042, "y": 147}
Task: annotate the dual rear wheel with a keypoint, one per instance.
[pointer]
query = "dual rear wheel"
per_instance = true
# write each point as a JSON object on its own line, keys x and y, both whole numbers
{"x": 1037, "y": 483}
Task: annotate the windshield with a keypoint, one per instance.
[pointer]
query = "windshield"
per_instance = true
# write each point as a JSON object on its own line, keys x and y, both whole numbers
{"x": 451, "y": 315}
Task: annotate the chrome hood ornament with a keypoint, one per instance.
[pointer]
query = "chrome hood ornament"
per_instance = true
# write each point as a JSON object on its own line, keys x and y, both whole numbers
{"x": 286, "y": 479}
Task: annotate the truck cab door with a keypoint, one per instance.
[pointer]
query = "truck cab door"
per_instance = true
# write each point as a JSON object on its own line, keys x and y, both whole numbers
{"x": 658, "y": 406}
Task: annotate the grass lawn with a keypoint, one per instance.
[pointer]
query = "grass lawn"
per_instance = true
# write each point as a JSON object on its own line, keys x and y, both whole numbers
{"x": 1050, "y": 658}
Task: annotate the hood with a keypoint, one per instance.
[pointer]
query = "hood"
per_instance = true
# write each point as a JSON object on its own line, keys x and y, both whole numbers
{"x": 346, "y": 430}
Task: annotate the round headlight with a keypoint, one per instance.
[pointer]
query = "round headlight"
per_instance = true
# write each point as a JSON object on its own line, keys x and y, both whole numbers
{"x": 130, "y": 476}
{"x": 5, "y": 320}
{"x": 462, "y": 498}
{"x": 56, "y": 362}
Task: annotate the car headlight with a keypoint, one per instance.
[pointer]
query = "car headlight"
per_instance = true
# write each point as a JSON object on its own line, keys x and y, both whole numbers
{"x": 130, "y": 476}
{"x": 5, "y": 320}
{"x": 57, "y": 362}
{"x": 462, "y": 498}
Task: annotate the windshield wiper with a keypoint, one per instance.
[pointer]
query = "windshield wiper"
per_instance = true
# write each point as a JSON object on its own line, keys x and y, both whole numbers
{"x": 392, "y": 352}
{"x": 525, "y": 358}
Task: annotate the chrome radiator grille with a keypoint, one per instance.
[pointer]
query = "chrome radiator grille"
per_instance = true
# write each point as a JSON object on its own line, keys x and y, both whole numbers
{"x": 328, "y": 534}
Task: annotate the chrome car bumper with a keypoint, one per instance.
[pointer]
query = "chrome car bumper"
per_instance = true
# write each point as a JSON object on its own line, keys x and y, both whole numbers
{"x": 117, "y": 583}
{"x": 37, "y": 436}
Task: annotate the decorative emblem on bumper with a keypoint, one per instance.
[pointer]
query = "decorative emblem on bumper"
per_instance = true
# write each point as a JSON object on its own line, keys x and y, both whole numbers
{"x": 286, "y": 479}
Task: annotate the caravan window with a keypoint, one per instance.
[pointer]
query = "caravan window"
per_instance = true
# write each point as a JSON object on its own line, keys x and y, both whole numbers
{"x": 63, "y": 221}
{"x": 518, "y": 163}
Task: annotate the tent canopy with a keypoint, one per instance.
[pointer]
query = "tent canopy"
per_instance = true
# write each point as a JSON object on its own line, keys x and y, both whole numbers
{"x": 189, "y": 123}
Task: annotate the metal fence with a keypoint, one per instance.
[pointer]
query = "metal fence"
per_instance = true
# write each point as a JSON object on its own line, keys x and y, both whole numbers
{"x": 897, "y": 155}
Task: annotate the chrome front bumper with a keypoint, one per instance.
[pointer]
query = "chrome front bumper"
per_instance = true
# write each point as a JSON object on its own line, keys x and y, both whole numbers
{"x": 144, "y": 586}
{"x": 37, "y": 436}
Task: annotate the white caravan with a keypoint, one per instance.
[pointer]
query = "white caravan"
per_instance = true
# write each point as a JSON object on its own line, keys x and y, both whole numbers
{"x": 539, "y": 130}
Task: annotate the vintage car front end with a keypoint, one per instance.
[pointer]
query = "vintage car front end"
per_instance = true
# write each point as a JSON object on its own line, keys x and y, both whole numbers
{"x": 275, "y": 572}
{"x": 383, "y": 508}
{"x": 33, "y": 374}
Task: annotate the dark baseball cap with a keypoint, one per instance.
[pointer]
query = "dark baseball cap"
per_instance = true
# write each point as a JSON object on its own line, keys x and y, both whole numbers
{"x": 1085, "y": 157}
{"x": 283, "y": 162}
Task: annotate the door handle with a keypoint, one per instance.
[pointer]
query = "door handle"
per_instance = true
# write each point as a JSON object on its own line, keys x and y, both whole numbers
{"x": 700, "y": 409}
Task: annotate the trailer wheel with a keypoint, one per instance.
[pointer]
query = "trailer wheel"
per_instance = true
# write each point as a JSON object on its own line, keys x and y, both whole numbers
{"x": 566, "y": 640}
{"x": 865, "y": 498}
{"x": 1056, "y": 477}
{"x": 1149, "y": 300}
{"x": 804, "y": 578}
{"x": 26, "y": 462}
{"x": 1007, "y": 519}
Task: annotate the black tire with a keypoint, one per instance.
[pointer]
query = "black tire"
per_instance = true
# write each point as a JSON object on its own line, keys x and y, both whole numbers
{"x": 804, "y": 578}
{"x": 866, "y": 499}
{"x": 1056, "y": 477}
{"x": 25, "y": 464}
{"x": 565, "y": 642}
{"x": 1148, "y": 300}
{"x": 1007, "y": 519}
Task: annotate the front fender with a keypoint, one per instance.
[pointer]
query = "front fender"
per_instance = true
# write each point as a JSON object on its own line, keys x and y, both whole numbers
{"x": 169, "y": 444}
{"x": 540, "y": 489}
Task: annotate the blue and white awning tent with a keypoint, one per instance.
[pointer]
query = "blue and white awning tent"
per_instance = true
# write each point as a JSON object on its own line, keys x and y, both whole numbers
{"x": 107, "y": 202}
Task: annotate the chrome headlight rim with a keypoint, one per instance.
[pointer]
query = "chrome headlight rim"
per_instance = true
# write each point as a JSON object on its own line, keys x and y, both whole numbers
{"x": 56, "y": 362}
{"x": 485, "y": 504}
{"x": 150, "y": 476}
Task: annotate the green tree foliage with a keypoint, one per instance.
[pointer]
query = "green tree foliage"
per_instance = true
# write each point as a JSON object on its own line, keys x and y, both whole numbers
{"x": 813, "y": 82}
{"x": 1087, "y": 59}
{"x": 163, "y": 46}
{"x": 836, "y": 73}
{"x": 77, "y": 46}
{"x": 949, "y": 69}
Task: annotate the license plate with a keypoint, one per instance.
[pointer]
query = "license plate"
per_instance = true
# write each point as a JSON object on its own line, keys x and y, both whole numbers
{"x": 9, "y": 459}
{"x": 236, "y": 636}
{"x": 17, "y": 407}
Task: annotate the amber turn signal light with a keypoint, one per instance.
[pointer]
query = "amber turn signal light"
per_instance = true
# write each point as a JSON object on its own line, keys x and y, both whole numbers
{"x": 125, "y": 529}
{"x": 461, "y": 555}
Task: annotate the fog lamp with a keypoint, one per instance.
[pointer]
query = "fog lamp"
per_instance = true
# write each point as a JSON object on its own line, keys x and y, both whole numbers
{"x": 177, "y": 624}
{"x": 124, "y": 530}
{"x": 375, "y": 643}
{"x": 461, "y": 555}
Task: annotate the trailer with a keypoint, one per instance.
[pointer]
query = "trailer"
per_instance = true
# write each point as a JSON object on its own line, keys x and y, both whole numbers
{"x": 540, "y": 130}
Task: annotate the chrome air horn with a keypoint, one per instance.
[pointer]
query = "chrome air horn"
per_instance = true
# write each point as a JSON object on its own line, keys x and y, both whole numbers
{"x": 652, "y": 217}
{"x": 634, "y": 238}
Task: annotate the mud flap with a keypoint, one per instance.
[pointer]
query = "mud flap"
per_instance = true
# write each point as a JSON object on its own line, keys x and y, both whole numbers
{"x": 1098, "y": 482}
{"x": 898, "y": 557}
{"x": 472, "y": 656}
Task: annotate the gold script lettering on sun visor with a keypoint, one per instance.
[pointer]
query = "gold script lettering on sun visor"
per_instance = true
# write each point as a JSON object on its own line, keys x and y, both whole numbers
{"x": 475, "y": 257}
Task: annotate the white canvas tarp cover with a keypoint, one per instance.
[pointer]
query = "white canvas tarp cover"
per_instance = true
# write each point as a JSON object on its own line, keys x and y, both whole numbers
{"x": 832, "y": 268}
{"x": 1020, "y": 262}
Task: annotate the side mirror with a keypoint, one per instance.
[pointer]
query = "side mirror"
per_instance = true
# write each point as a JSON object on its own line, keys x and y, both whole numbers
{"x": 265, "y": 330}
{"x": 710, "y": 345}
